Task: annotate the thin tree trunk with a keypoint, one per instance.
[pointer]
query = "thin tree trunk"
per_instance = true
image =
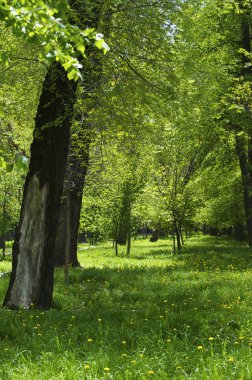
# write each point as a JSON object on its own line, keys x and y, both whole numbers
{"x": 244, "y": 144}
{"x": 181, "y": 236}
{"x": 68, "y": 231}
{"x": 4, "y": 222}
{"x": 177, "y": 236}
{"x": 245, "y": 166}
{"x": 31, "y": 280}
{"x": 174, "y": 242}
{"x": 128, "y": 243}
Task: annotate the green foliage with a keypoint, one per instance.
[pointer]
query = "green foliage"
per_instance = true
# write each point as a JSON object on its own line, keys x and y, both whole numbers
{"x": 11, "y": 187}
{"x": 47, "y": 25}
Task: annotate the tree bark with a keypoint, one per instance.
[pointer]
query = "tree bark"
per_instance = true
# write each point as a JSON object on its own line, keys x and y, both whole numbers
{"x": 78, "y": 159}
{"x": 75, "y": 178}
{"x": 31, "y": 280}
{"x": 244, "y": 144}
{"x": 246, "y": 171}
{"x": 67, "y": 255}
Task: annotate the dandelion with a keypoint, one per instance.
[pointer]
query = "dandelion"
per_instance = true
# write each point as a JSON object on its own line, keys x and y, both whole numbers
{"x": 90, "y": 340}
{"x": 168, "y": 341}
{"x": 124, "y": 342}
{"x": 124, "y": 355}
{"x": 141, "y": 355}
{"x": 150, "y": 372}
{"x": 210, "y": 339}
{"x": 133, "y": 362}
{"x": 230, "y": 359}
{"x": 106, "y": 369}
{"x": 200, "y": 347}
{"x": 99, "y": 320}
{"x": 86, "y": 366}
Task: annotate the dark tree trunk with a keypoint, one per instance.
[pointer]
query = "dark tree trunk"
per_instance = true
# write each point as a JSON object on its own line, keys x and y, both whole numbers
{"x": 177, "y": 233}
{"x": 74, "y": 183}
{"x": 238, "y": 232}
{"x": 155, "y": 235}
{"x": 4, "y": 218}
{"x": 78, "y": 159}
{"x": 244, "y": 144}
{"x": 173, "y": 242}
{"x": 129, "y": 239}
{"x": 181, "y": 235}
{"x": 31, "y": 280}
{"x": 67, "y": 248}
{"x": 246, "y": 171}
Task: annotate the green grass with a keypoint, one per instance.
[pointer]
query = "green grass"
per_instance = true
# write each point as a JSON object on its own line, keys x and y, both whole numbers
{"x": 149, "y": 316}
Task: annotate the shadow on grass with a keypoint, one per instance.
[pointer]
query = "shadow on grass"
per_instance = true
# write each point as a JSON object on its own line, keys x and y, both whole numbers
{"x": 188, "y": 298}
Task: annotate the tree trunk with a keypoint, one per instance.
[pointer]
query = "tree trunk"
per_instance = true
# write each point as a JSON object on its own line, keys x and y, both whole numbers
{"x": 177, "y": 233}
{"x": 174, "y": 242}
{"x": 129, "y": 241}
{"x": 78, "y": 159}
{"x": 244, "y": 144}
{"x": 4, "y": 218}
{"x": 246, "y": 166}
{"x": 67, "y": 255}
{"x": 75, "y": 176}
{"x": 31, "y": 280}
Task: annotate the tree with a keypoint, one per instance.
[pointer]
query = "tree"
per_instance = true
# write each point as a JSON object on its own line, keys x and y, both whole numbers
{"x": 98, "y": 15}
{"x": 32, "y": 274}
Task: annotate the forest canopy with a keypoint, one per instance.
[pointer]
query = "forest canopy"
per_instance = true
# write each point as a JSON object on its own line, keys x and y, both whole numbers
{"x": 154, "y": 136}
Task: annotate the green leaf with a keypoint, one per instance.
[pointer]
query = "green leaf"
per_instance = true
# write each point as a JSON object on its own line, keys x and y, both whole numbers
{"x": 22, "y": 163}
{"x": 99, "y": 44}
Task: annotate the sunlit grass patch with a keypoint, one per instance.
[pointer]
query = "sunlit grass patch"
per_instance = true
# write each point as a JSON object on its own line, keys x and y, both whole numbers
{"x": 149, "y": 316}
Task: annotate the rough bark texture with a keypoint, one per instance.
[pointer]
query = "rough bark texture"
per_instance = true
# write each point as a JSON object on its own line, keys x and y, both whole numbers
{"x": 245, "y": 162}
{"x": 31, "y": 280}
{"x": 244, "y": 144}
{"x": 78, "y": 159}
{"x": 74, "y": 183}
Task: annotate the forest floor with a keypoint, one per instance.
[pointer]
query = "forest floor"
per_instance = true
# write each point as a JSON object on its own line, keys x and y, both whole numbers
{"x": 149, "y": 316}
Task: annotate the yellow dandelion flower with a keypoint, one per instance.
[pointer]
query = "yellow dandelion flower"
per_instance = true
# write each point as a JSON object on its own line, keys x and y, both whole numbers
{"x": 133, "y": 362}
{"x": 210, "y": 339}
{"x": 90, "y": 340}
{"x": 124, "y": 342}
{"x": 124, "y": 355}
{"x": 106, "y": 369}
{"x": 150, "y": 372}
{"x": 200, "y": 347}
{"x": 86, "y": 366}
{"x": 230, "y": 359}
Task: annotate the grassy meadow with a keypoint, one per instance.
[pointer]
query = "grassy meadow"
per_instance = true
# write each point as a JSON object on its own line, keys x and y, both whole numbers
{"x": 151, "y": 316}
